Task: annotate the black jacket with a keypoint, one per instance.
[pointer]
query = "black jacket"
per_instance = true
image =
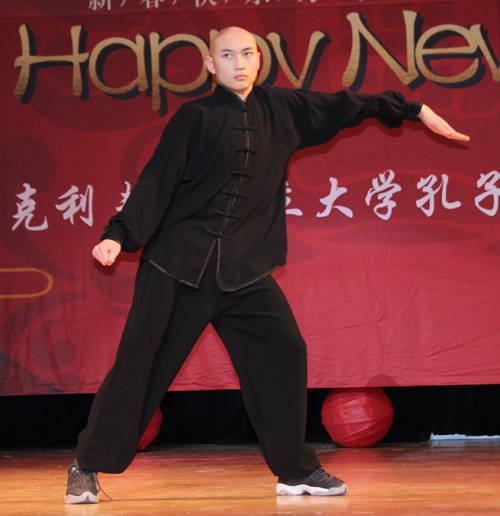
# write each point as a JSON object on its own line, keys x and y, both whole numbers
{"x": 216, "y": 181}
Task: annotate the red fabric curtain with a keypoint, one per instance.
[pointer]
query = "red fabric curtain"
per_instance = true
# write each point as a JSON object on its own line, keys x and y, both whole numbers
{"x": 394, "y": 236}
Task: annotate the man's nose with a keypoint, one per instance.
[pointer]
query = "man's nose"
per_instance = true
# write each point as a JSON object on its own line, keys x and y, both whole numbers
{"x": 239, "y": 62}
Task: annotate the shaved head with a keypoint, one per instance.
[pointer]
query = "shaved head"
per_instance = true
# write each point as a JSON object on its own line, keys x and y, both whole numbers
{"x": 236, "y": 32}
{"x": 234, "y": 60}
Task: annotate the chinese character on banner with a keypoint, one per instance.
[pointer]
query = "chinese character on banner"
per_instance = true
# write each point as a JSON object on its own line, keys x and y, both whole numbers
{"x": 489, "y": 182}
{"x": 124, "y": 196}
{"x": 385, "y": 190}
{"x": 150, "y": 4}
{"x": 291, "y": 211}
{"x": 256, "y": 2}
{"x": 25, "y": 210}
{"x": 312, "y": 1}
{"x": 335, "y": 193}
{"x": 426, "y": 185}
{"x": 100, "y": 4}
{"x": 201, "y": 3}
{"x": 77, "y": 202}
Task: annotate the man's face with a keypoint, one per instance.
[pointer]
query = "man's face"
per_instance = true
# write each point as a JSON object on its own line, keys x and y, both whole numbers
{"x": 234, "y": 60}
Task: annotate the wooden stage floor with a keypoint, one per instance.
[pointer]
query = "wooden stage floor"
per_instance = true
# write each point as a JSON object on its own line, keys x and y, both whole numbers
{"x": 445, "y": 479}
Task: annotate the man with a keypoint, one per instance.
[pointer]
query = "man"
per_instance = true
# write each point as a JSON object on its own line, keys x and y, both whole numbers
{"x": 209, "y": 211}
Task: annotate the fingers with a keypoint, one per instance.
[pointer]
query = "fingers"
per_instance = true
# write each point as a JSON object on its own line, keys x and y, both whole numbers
{"x": 113, "y": 253}
{"x": 443, "y": 128}
{"x": 454, "y": 135}
{"x": 101, "y": 255}
{"x": 459, "y": 136}
{"x": 106, "y": 252}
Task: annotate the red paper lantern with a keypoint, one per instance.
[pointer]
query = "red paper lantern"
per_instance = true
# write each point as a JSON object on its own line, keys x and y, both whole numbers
{"x": 151, "y": 431}
{"x": 356, "y": 418}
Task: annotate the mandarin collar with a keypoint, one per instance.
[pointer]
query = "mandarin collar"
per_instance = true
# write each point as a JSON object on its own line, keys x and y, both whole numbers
{"x": 230, "y": 97}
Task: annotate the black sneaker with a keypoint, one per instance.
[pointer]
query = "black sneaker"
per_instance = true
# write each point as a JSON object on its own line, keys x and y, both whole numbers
{"x": 318, "y": 483}
{"x": 83, "y": 486}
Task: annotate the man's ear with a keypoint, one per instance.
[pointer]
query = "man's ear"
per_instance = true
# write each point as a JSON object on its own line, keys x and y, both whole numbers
{"x": 209, "y": 64}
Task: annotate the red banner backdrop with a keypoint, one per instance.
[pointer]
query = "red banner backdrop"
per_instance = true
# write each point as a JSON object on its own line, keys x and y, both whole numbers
{"x": 394, "y": 236}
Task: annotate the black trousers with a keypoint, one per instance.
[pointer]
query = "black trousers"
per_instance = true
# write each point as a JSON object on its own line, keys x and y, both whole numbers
{"x": 166, "y": 319}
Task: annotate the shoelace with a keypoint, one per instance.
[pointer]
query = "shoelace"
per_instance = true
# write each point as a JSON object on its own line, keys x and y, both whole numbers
{"x": 80, "y": 478}
{"x": 322, "y": 471}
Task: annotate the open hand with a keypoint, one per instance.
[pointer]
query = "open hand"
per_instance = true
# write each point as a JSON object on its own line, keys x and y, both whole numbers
{"x": 436, "y": 124}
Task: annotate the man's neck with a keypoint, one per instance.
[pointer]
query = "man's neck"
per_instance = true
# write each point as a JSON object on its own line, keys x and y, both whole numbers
{"x": 243, "y": 96}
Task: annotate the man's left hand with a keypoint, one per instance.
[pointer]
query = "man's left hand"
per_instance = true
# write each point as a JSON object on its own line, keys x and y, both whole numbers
{"x": 436, "y": 124}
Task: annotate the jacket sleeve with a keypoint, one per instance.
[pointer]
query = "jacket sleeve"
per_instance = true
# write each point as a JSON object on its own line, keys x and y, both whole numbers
{"x": 148, "y": 202}
{"x": 318, "y": 117}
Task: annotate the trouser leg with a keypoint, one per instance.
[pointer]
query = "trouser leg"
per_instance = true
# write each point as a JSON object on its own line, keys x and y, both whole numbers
{"x": 142, "y": 373}
{"x": 269, "y": 355}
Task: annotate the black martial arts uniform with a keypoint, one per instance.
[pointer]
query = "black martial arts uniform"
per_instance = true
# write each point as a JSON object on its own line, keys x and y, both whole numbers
{"x": 209, "y": 211}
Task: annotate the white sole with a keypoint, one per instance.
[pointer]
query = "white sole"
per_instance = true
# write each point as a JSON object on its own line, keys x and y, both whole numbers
{"x": 83, "y": 498}
{"x": 303, "y": 489}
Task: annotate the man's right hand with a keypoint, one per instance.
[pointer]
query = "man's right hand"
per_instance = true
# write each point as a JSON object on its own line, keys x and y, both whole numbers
{"x": 107, "y": 251}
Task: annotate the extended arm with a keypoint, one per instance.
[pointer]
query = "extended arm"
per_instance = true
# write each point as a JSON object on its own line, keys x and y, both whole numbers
{"x": 436, "y": 124}
{"x": 318, "y": 117}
